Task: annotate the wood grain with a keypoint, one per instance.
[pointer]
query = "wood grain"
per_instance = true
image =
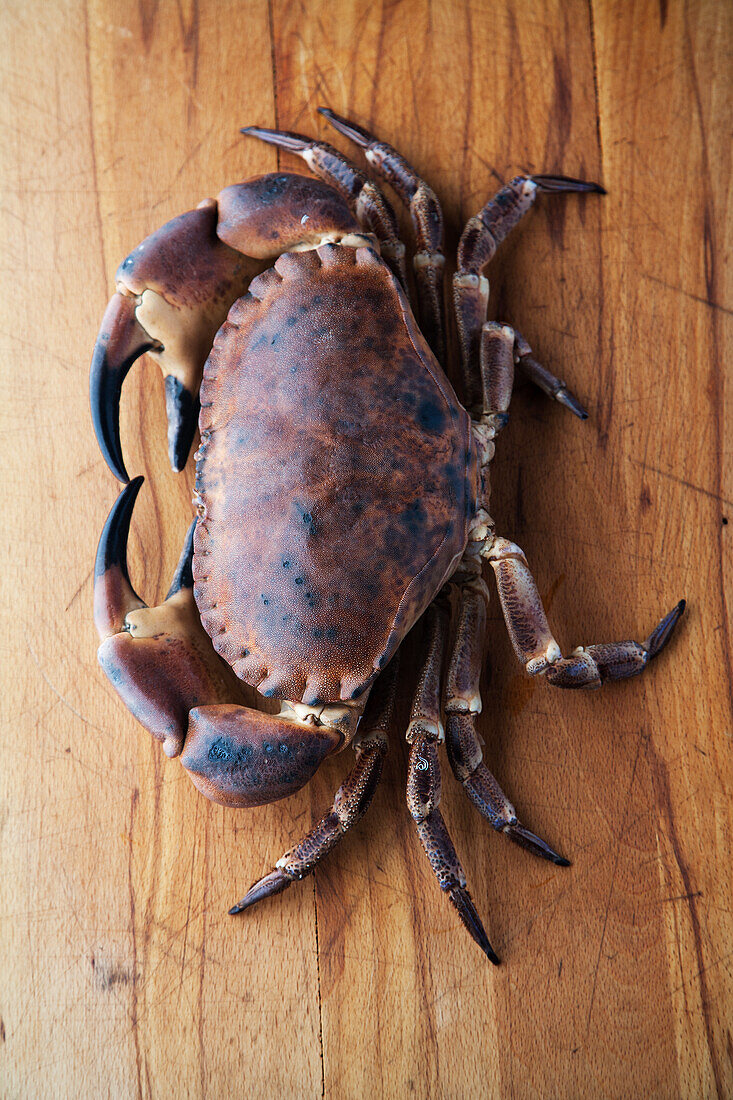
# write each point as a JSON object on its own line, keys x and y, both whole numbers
{"x": 122, "y": 974}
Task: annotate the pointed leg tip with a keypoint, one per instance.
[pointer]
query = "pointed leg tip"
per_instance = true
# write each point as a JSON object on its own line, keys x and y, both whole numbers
{"x": 463, "y": 903}
{"x": 284, "y": 139}
{"x": 535, "y": 844}
{"x": 483, "y": 942}
{"x": 260, "y": 132}
{"x": 659, "y": 637}
{"x": 570, "y": 401}
{"x": 249, "y": 899}
{"x": 558, "y": 185}
{"x": 350, "y": 130}
{"x": 673, "y": 617}
{"x": 274, "y": 883}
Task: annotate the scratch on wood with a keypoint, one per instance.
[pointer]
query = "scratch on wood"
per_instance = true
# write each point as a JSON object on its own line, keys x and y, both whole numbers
{"x": 683, "y": 481}
{"x": 56, "y": 691}
{"x": 320, "y": 999}
{"x": 660, "y": 779}
{"x": 687, "y": 293}
{"x": 78, "y": 590}
{"x": 133, "y": 934}
{"x": 642, "y": 737}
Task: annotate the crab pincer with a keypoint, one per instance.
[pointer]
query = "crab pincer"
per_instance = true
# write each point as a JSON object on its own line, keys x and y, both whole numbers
{"x": 175, "y": 289}
{"x": 161, "y": 662}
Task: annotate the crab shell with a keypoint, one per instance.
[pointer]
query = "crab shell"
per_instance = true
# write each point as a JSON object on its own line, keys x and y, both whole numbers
{"x": 336, "y": 478}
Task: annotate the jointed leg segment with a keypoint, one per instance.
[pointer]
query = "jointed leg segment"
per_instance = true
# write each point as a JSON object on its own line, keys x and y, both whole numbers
{"x": 501, "y": 349}
{"x": 480, "y": 239}
{"x": 534, "y": 645}
{"x": 370, "y": 205}
{"x": 424, "y": 786}
{"x": 427, "y": 220}
{"x": 462, "y": 705}
{"x": 351, "y": 802}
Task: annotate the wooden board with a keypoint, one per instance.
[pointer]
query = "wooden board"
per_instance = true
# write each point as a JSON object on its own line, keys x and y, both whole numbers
{"x": 122, "y": 974}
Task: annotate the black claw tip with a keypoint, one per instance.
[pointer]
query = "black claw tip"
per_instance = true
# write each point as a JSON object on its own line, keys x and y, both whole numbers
{"x": 570, "y": 401}
{"x": 349, "y": 129}
{"x": 183, "y": 576}
{"x": 104, "y": 395}
{"x": 112, "y": 548}
{"x": 182, "y": 410}
{"x": 557, "y": 185}
{"x": 463, "y": 903}
{"x": 535, "y": 844}
{"x": 120, "y": 342}
{"x": 659, "y": 637}
{"x": 295, "y": 143}
{"x": 274, "y": 883}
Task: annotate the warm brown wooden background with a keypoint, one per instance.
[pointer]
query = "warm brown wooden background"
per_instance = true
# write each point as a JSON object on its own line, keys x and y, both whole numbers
{"x": 122, "y": 973}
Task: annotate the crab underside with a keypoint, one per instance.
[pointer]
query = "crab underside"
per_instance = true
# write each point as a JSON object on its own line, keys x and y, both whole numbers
{"x": 342, "y": 496}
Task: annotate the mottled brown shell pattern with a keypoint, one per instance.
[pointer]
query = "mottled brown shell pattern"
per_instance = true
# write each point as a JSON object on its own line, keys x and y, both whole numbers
{"x": 335, "y": 481}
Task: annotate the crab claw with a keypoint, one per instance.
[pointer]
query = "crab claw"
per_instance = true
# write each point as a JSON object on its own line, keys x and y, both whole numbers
{"x": 182, "y": 409}
{"x": 121, "y": 341}
{"x": 159, "y": 659}
{"x": 173, "y": 293}
{"x": 114, "y": 596}
{"x": 242, "y": 757}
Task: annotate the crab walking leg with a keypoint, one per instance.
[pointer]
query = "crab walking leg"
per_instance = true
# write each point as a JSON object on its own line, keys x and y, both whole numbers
{"x": 479, "y": 241}
{"x": 351, "y": 802}
{"x": 588, "y": 666}
{"x": 462, "y": 705}
{"x": 427, "y": 219}
{"x": 373, "y": 210}
{"x": 503, "y": 348}
{"x": 425, "y": 733}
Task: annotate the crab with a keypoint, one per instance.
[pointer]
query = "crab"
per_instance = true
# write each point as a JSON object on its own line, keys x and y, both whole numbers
{"x": 342, "y": 496}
